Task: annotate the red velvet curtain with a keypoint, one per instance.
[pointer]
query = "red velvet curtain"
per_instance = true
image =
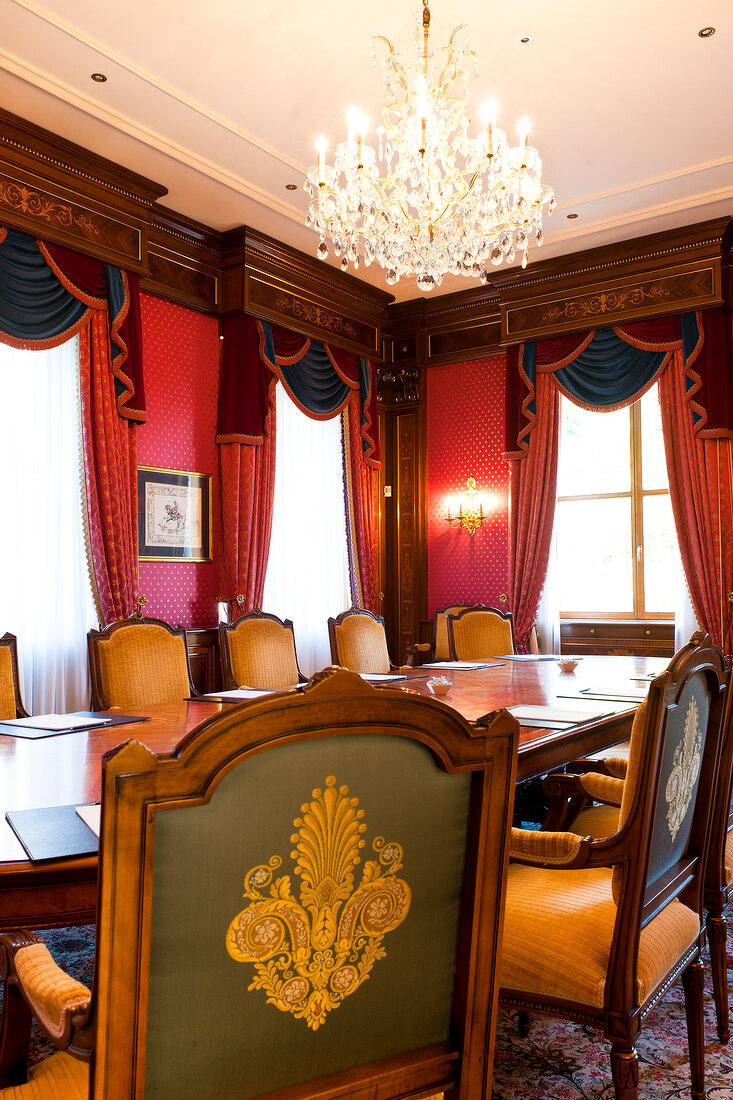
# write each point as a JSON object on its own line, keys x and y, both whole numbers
{"x": 361, "y": 483}
{"x": 533, "y": 488}
{"x": 700, "y": 474}
{"x": 246, "y": 439}
{"x": 111, "y": 475}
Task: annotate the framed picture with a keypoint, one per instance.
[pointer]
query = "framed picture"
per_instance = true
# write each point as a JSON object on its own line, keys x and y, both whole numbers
{"x": 173, "y": 515}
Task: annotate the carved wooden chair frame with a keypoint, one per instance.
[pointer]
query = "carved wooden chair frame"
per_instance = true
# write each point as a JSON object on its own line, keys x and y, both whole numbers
{"x": 94, "y": 637}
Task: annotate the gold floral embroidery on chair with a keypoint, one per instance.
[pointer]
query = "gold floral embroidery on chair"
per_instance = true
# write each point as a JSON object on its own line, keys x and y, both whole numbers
{"x": 311, "y": 954}
{"x": 685, "y": 770}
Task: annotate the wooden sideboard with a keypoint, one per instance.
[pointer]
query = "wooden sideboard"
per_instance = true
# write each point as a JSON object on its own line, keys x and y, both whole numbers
{"x": 618, "y": 637}
{"x": 203, "y": 659}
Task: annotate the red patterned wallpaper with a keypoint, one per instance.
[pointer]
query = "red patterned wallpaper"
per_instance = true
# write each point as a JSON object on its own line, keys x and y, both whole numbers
{"x": 465, "y": 438}
{"x": 181, "y": 364}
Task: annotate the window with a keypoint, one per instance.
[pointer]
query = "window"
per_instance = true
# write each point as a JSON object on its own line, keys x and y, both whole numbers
{"x": 308, "y": 567}
{"x": 617, "y": 553}
{"x": 46, "y": 596}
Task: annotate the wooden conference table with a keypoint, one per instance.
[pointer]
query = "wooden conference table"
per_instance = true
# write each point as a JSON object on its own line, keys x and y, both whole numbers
{"x": 66, "y": 769}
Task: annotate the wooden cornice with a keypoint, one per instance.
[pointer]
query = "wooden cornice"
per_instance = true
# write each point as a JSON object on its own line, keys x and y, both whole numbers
{"x": 58, "y": 191}
{"x": 671, "y": 272}
{"x": 278, "y": 283}
{"x": 54, "y": 190}
{"x": 184, "y": 261}
{"x": 448, "y": 329}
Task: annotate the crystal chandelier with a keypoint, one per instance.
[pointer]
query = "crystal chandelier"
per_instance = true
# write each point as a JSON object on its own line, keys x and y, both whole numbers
{"x": 446, "y": 203}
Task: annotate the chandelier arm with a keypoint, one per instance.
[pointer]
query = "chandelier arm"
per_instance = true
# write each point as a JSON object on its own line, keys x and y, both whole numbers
{"x": 393, "y": 59}
{"x": 453, "y": 49}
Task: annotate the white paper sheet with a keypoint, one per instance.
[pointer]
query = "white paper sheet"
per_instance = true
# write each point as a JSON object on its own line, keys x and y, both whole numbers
{"x": 239, "y": 695}
{"x": 461, "y": 665}
{"x": 533, "y": 715}
{"x": 56, "y": 722}
{"x": 91, "y": 816}
{"x": 381, "y": 677}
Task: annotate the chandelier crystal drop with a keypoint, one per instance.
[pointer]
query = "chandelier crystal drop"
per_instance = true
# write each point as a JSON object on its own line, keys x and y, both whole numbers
{"x": 445, "y": 203}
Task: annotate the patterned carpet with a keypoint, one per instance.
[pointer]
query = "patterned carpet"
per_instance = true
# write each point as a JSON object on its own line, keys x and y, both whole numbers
{"x": 557, "y": 1061}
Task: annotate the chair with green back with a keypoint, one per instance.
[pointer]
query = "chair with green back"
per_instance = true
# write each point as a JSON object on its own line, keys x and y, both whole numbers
{"x": 597, "y": 930}
{"x": 305, "y": 895}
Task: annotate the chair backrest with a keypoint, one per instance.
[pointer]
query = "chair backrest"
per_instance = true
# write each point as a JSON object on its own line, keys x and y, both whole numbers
{"x": 665, "y": 818}
{"x": 479, "y": 632}
{"x": 138, "y": 662}
{"x": 258, "y": 651}
{"x": 358, "y": 641}
{"x": 310, "y": 887}
{"x": 11, "y": 704}
{"x": 441, "y": 649}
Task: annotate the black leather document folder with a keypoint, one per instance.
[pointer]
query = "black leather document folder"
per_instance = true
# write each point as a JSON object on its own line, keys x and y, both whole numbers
{"x": 53, "y": 832}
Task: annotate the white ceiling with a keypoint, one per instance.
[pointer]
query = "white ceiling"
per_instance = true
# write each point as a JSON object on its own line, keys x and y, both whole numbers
{"x": 221, "y": 102}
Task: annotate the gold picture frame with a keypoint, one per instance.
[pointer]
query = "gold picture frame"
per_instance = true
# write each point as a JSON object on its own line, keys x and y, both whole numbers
{"x": 173, "y": 515}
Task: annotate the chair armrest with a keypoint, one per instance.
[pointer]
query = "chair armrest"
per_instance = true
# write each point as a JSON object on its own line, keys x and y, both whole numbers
{"x": 602, "y": 765}
{"x": 55, "y": 999}
{"x": 544, "y": 849}
{"x": 414, "y": 653}
{"x": 602, "y": 788}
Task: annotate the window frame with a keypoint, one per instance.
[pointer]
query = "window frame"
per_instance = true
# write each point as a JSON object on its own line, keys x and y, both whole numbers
{"x": 636, "y": 494}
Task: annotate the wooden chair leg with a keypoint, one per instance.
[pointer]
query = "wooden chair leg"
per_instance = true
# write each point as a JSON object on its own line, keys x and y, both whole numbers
{"x": 523, "y": 1024}
{"x": 716, "y": 930}
{"x": 15, "y": 1037}
{"x": 625, "y": 1071}
{"x": 693, "y": 980}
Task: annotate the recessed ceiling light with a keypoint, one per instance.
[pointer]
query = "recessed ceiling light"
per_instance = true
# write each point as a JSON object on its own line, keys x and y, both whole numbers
{"x": 526, "y": 39}
{"x": 571, "y": 216}
{"x": 291, "y": 187}
{"x": 99, "y": 77}
{"x": 706, "y": 32}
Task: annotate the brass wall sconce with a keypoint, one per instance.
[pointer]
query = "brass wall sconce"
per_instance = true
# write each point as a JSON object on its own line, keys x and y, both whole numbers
{"x": 470, "y": 512}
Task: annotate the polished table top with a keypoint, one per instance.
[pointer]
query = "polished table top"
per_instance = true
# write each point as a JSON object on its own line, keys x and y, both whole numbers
{"x": 66, "y": 769}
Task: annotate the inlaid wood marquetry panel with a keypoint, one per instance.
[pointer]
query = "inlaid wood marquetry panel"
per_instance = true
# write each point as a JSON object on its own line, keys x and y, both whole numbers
{"x": 172, "y": 277}
{"x": 272, "y": 301}
{"x": 460, "y": 344}
{"x": 617, "y": 301}
{"x": 49, "y": 214}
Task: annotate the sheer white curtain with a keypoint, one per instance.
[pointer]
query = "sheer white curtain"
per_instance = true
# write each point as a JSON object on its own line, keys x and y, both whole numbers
{"x": 46, "y": 594}
{"x": 308, "y": 567}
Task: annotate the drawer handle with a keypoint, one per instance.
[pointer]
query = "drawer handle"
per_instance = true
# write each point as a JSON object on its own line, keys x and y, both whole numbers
{"x": 647, "y": 632}
{"x": 593, "y": 630}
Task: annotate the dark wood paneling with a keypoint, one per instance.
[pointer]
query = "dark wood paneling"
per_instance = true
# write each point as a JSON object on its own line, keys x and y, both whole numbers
{"x": 272, "y": 281}
{"x": 448, "y": 329}
{"x": 184, "y": 261}
{"x": 672, "y": 272}
{"x": 203, "y": 659}
{"x": 403, "y": 547}
{"x": 57, "y": 191}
